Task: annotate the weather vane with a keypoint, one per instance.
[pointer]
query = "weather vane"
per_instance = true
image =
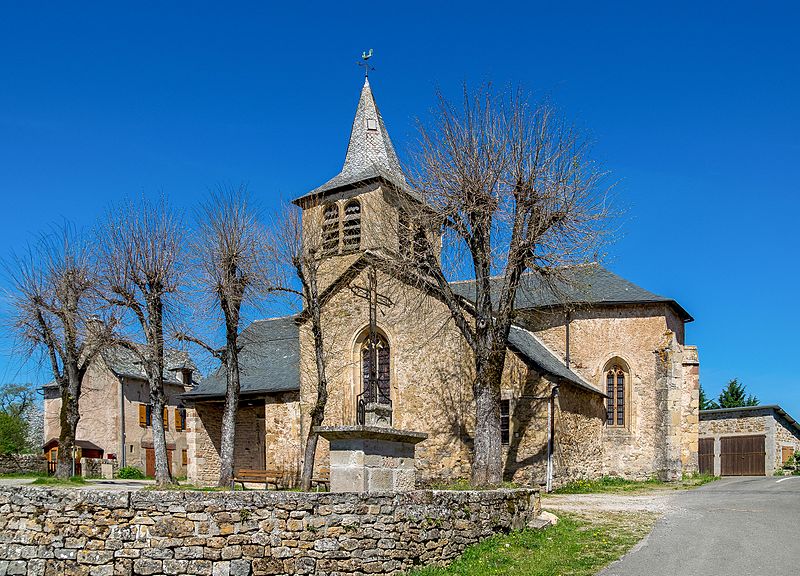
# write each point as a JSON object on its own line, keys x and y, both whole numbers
{"x": 365, "y": 56}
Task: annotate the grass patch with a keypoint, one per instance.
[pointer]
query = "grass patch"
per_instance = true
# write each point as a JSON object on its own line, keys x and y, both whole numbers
{"x": 616, "y": 484}
{"x": 576, "y": 546}
{"x": 53, "y": 481}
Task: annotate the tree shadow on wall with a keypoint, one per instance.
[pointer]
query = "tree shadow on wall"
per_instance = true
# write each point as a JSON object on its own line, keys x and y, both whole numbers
{"x": 529, "y": 416}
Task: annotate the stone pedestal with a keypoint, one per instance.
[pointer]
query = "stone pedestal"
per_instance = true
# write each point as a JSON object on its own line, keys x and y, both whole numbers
{"x": 376, "y": 414}
{"x": 371, "y": 458}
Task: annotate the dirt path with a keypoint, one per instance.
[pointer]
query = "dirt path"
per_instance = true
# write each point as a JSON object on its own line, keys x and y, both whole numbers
{"x": 657, "y": 502}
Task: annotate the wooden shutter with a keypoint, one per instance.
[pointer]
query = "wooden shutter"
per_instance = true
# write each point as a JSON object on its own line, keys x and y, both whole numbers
{"x": 184, "y": 457}
{"x": 178, "y": 423}
{"x": 166, "y": 418}
{"x": 142, "y": 415}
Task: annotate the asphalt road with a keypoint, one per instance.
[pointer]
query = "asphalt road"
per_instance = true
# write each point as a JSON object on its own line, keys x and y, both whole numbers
{"x": 734, "y": 526}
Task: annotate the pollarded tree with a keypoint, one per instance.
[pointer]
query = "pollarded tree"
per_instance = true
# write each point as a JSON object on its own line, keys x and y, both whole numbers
{"x": 514, "y": 190}
{"x": 297, "y": 257}
{"x": 142, "y": 266}
{"x": 56, "y": 312}
{"x": 231, "y": 255}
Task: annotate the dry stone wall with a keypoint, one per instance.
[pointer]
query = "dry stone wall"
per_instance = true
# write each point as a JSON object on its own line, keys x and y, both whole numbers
{"x": 22, "y": 464}
{"x": 99, "y": 533}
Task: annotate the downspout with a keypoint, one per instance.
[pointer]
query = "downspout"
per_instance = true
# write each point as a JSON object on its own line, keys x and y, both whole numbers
{"x": 551, "y": 431}
{"x": 567, "y": 322}
{"x": 123, "y": 453}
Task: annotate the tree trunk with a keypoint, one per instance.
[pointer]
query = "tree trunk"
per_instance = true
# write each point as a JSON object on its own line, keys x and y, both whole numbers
{"x": 227, "y": 443}
{"x": 69, "y": 417}
{"x": 163, "y": 476}
{"x": 318, "y": 413}
{"x": 487, "y": 467}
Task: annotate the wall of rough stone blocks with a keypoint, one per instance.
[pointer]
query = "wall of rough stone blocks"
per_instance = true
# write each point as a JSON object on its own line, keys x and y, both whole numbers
{"x": 777, "y": 430}
{"x": 633, "y": 334}
{"x": 785, "y": 435}
{"x": 97, "y": 533}
{"x": 22, "y": 464}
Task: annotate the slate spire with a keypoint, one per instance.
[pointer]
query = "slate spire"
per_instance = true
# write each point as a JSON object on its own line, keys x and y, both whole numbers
{"x": 370, "y": 153}
{"x": 370, "y": 146}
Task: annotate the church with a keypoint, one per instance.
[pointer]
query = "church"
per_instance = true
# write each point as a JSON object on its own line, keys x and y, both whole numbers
{"x": 603, "y": 384}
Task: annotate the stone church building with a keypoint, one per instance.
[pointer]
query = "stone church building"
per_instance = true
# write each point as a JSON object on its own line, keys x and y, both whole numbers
{"x": 604, "y": 385}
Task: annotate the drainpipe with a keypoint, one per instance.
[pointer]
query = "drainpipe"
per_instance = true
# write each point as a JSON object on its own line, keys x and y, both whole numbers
{"x": 122, "y": 452}
{"x": 551, "y": 430}
{"x": 566, "y": 324}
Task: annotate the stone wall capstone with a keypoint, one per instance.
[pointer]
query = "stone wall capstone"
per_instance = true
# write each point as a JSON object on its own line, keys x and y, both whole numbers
{"x": 94, "y": 533}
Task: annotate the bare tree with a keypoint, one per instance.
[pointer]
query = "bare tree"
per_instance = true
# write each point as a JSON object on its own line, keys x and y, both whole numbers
{"x": 141, "y": 271}
{"x": 297, "y": 259}
{"x": 55, "y": 312}
{"x": 231, "y": 254}
{"x": 513, "y": 190}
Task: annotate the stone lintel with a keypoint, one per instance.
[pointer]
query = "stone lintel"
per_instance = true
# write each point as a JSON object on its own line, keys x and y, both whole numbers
{"x": 370, "y": 433}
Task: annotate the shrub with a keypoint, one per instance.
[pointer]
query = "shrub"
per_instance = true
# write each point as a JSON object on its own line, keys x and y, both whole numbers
{"x": 130, "y": 473}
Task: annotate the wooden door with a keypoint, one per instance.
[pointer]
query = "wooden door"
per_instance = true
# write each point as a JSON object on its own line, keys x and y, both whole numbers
{"x": 705, "y": 456}
{"x": 149, "y": 462}
{"x": 743, "y": 455}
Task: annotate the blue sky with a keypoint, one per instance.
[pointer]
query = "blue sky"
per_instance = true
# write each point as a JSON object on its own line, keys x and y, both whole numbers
{"x": 693, "y": 107}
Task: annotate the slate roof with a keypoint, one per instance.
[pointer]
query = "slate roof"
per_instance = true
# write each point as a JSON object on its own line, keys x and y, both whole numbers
{"x": 528, "y": 345}
{"x": 370, "y": 153}
{"x": 268, "y": 363}
{"x": 589, "y": 284}
{"x": 123, "y": 362}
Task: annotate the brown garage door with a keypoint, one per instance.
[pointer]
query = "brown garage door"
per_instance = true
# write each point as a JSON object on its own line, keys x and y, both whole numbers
{"x": 706, "y": 456}
{"x": 742, "y": 456}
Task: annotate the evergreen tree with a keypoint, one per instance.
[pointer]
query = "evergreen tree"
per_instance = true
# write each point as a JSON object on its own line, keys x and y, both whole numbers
{"x": 735, "y": 396}
{"x": 705, "y": 402}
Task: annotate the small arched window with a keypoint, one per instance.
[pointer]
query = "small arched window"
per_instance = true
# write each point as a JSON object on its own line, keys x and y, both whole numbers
{"x": 383, "y": 370}
{"x": 616, "y": 382}
{"x": 330, "y": 229}
{"x": 351, "y": 226}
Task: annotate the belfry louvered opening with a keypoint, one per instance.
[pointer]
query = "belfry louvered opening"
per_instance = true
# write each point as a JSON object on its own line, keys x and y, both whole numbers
{"x": 351, "y": 226}
{"x": 330, "y": 229}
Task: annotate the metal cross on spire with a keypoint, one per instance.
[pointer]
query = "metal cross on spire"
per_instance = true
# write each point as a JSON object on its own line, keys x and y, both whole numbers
{"x": 365, "y": 56}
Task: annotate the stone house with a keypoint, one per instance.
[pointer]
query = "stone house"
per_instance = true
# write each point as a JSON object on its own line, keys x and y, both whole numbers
{"x": 746, "y": 441}
{"x": 115, "y": 413}
{"x": 603, "y": 384}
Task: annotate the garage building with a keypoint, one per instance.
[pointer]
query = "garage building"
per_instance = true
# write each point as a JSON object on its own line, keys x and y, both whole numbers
{"x": 746, "y": 441}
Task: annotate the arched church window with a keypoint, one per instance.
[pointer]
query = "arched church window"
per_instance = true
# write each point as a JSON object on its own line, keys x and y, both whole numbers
{"x": 352, "y": 225}
{"x": 330, "y": 229}
{"x": 616, "y": 382}
{"x": 383, "y": 356}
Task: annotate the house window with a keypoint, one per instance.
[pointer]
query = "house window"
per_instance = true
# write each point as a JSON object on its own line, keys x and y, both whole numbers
{"x": 330, "y": 229}
{"x": 351, "y": 227}
{"x": 145, "y": 415}
{"x": 383, "y": 372}
{"x": 615, "y": 390}
{"x": 166, "y": 418}
{"x": 180, "y": 419}
{"x": 505, "y": 422}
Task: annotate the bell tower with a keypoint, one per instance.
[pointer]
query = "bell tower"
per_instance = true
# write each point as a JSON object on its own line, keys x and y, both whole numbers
{"x": 356, "y": 210}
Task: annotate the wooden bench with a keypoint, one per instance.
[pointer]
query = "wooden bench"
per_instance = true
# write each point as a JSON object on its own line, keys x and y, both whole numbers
{"x": 323, "y": 478}
{"x": 265, "y": 477}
